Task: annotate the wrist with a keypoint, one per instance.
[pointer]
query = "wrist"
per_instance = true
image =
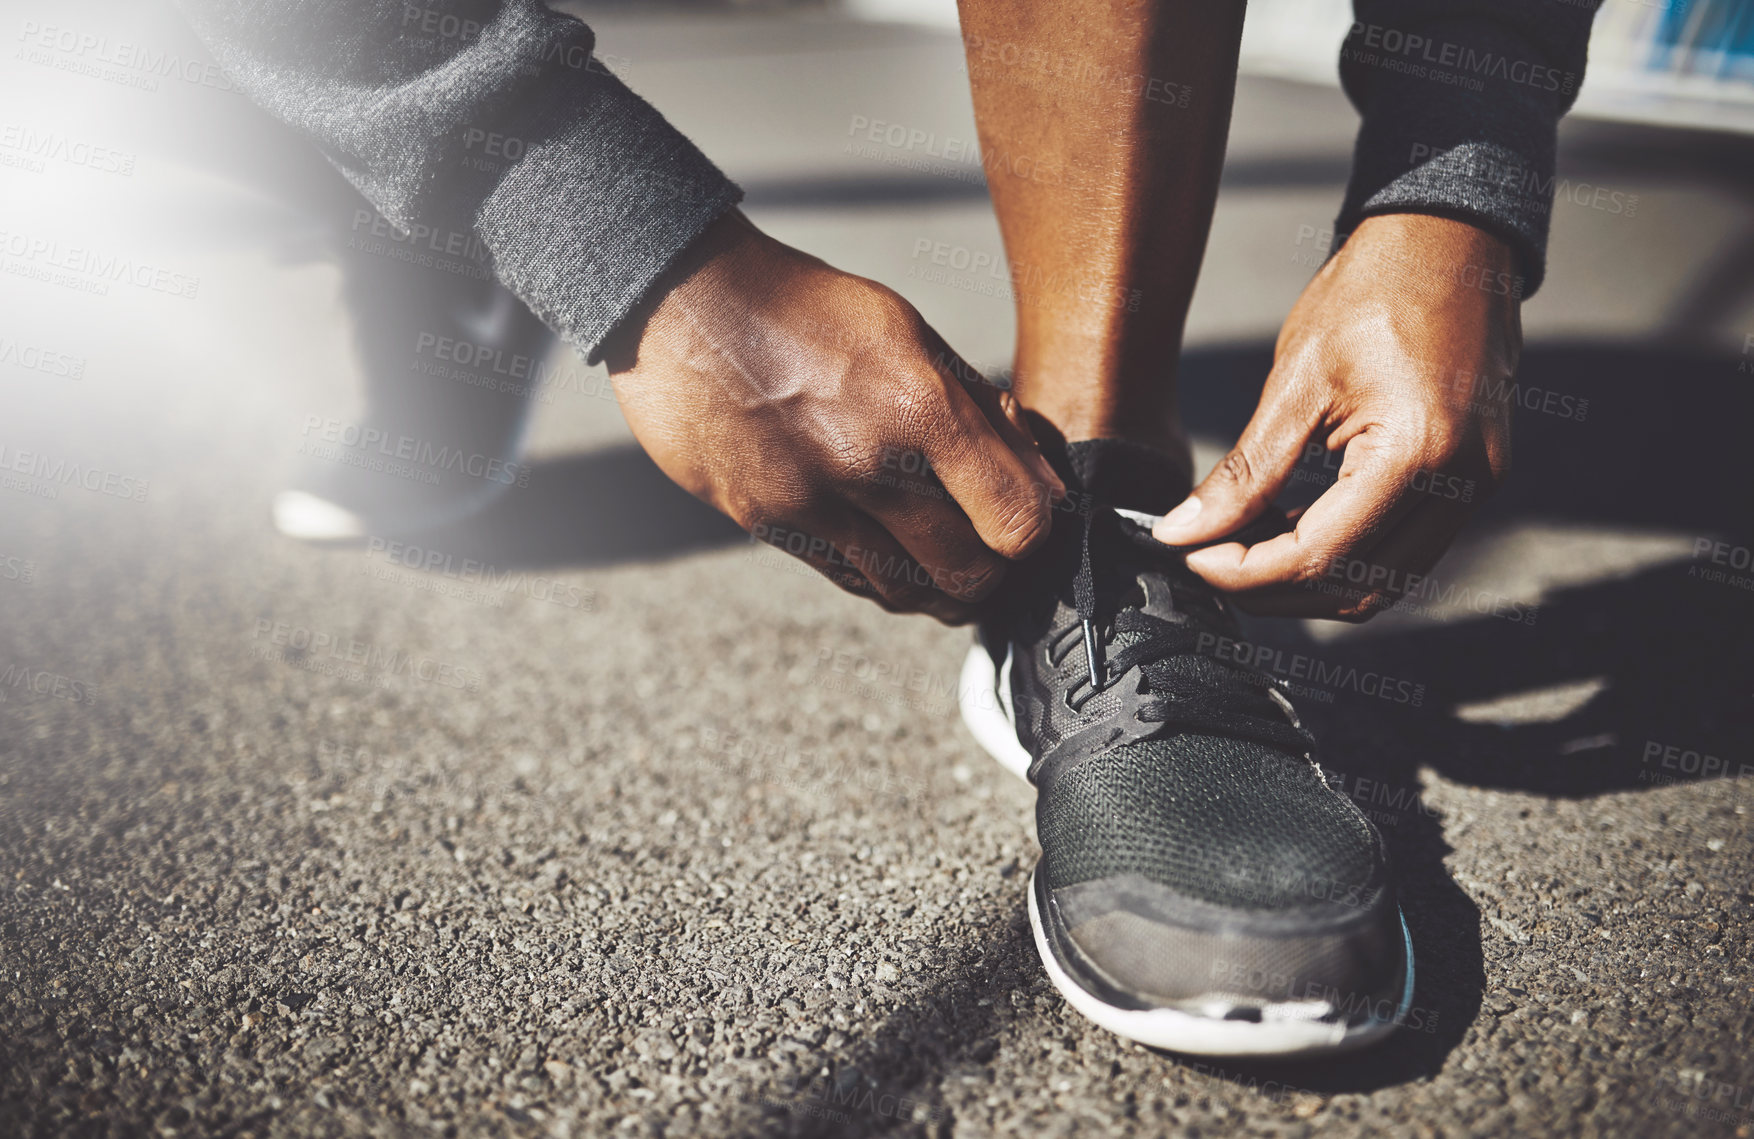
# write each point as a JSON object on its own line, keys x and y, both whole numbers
{"x": 1449, "y": 253}
{"x": 726, "y": 251}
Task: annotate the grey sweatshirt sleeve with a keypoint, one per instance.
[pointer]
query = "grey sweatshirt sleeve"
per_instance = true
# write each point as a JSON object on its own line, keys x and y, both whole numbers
{"x": 1461, "y": 101}
{"x": 593, "y": 193}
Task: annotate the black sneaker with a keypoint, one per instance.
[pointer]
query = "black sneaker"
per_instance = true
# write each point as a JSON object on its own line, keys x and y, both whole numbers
{"x": 1201, "y": 888}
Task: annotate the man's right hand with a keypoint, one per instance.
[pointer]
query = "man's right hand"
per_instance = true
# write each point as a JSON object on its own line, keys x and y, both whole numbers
{"x": 814, "y": 407}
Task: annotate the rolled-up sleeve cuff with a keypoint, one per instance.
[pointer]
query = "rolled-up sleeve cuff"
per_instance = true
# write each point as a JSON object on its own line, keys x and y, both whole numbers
{"x": 605, "y": 196}
{"x": 1459, "y": 120}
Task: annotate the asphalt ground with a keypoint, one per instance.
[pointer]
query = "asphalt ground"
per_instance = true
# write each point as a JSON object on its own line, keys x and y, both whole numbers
{"x": 649, "y": 831}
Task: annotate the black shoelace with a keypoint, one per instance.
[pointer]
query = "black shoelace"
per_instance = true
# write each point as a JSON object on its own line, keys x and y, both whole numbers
{"x": 1191, "y": 688}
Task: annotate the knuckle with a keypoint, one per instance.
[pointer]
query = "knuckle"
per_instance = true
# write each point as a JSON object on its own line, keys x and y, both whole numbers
{"x": 858, "y": 477}
{"x": 1236, "y": 467}
{"x": 976, "y": 580}
{"x": 1437, "y": 437}
{"x": 1022, "y": 524}
{"x": 902, "y": 325}
{"x": 1310, "y": 570}
{"x": 852, "y": 460}
{"x": 921, "y": 406}
{"x": 870, "y": 312}
{"x": 888, "y": 310}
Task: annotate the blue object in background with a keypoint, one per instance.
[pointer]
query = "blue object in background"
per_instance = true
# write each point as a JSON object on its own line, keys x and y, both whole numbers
{"x": 1706, "y": 37}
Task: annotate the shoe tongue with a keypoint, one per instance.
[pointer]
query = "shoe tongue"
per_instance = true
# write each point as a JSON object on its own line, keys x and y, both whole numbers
{"x": 1132, "y": 476}
{"x": 1113, "y": 473}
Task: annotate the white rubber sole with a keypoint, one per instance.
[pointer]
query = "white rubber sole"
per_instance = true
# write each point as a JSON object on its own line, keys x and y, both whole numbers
{"x": 1291, "y": 1028}
{"x": 984, "y": 695}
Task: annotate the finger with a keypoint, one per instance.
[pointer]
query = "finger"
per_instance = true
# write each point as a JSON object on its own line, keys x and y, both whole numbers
{"x": 1006, "y": 415}
{"x": 1399, "y": 564}
{"x": 940, "y": 539}
{"x": 904, "y": 583}
{"x": 1369, "y": 496}
{"x": 864, "y": 560}
{"x": 1241, "y": 486}
{"x": 994, "y": 398}
{"x": 1007, "y": 498}
{"x": 1362, "y": 583}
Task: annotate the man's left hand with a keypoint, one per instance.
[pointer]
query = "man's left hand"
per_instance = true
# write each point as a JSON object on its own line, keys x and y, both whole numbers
{"x": 1399, "y": 352}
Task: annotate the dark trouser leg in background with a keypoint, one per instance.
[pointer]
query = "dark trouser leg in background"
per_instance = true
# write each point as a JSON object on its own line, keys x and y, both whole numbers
{"x": 447, "y": 357}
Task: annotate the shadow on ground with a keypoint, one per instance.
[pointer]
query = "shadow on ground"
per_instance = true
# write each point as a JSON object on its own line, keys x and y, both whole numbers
{"x": 1662, "y": 655}
{"x": 603, "y": 507}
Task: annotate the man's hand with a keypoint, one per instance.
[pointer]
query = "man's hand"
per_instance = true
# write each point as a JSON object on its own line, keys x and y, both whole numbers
{"x": 822, "y": 414}
{"x": 1400, "y": 352}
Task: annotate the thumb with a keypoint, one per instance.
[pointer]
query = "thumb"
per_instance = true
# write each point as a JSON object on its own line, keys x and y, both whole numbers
{"x": 1243, "y": 484}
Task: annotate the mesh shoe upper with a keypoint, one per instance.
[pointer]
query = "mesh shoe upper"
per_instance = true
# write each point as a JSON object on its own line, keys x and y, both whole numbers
{"x": 1219, "y": 820}
{"x": 1190, "y": 844}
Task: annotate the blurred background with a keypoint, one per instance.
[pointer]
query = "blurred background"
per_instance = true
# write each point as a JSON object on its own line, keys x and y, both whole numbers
{"x": 583, "y": 814}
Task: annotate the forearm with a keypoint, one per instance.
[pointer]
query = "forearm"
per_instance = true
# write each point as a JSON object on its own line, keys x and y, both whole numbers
{"x": 596, "y": 194}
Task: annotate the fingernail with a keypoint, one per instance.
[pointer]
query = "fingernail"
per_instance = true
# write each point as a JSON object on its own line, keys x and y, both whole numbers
{"x": 1177, "y": 519}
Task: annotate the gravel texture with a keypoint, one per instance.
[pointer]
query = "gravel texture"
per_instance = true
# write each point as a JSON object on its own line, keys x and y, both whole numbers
{"x": 660, "y": 835}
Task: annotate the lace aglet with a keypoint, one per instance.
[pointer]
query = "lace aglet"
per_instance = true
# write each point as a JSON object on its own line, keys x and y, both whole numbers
{"x": 1093, "y": 656}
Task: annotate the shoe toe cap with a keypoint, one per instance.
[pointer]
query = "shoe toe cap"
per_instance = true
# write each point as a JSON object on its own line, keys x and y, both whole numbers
{"x": 1139, "y": 944}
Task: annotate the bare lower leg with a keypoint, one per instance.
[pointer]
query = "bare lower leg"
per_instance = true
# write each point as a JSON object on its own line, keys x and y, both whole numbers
{"x": 1102, "y": 127}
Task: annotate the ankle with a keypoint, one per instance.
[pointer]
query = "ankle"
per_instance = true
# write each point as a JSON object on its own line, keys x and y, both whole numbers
{"x": 1159, "y": 429}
